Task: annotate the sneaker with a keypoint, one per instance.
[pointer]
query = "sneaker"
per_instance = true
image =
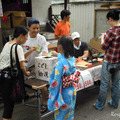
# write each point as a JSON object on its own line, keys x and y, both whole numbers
{"x": 111, "y": 105}
{"x": 95, "y": 107}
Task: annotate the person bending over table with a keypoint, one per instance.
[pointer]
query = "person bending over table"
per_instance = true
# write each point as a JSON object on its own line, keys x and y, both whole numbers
{"x": 63, "y": 27}
{"x": 20, "y": 37}
{"x": 81, "y": 48}
{"x": 36, "y": 40}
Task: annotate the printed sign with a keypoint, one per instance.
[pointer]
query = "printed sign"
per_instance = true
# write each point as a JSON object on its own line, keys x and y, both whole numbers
{"x": 44, "y": 66}
{"x": 80, "y": 84}
{"x": 95, "y": 72}
{"x": 87, "y": 78}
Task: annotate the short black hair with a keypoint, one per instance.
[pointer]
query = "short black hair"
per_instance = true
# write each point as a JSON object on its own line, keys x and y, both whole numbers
{"x": 65, "y": 13}
{"x": 67, "y": 45}
{"x": 20, "y": 30}
{"x": 114, "y": 14}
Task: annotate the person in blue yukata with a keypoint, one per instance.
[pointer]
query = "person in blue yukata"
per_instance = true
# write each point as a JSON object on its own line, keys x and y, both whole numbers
{"x": 62, "y": 100}
{"x": 111, "y": 64}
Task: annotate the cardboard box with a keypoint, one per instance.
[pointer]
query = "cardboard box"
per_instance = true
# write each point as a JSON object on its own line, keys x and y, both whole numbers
{"x": 15, "y": 18}
{"x": 96, "y": 43}
{"x": 44, "y": 66}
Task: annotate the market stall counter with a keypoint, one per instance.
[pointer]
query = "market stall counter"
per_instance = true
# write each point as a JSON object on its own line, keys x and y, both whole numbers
{"x": 88, "y": 77}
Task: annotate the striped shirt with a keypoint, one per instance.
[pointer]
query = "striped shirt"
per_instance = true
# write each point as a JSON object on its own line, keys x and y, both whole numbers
{"x": 111, "y": 45}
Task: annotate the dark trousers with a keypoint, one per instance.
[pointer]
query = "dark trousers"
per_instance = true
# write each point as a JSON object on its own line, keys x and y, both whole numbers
{"x": 6, "y": 89}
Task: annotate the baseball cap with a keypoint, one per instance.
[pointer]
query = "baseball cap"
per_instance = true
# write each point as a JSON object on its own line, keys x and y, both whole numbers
{"x": 33, "y": 21}
{"x": 75, "y": 35}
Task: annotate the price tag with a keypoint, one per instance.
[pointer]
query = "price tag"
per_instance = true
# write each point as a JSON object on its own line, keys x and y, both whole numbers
{"x": 80, "y": 84}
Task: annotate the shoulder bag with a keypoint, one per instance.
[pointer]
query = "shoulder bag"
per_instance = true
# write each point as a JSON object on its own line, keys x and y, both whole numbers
{"x": 17, "y": 78}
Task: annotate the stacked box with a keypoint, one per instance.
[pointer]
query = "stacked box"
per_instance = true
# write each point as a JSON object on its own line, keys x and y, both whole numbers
{"x": 44, "y": 66}
{"x": 15, "y": 18}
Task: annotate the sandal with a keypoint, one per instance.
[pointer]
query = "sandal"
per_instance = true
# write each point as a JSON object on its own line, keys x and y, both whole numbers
{"x": 94, "y": 106}
{"x": 44, "y": 108}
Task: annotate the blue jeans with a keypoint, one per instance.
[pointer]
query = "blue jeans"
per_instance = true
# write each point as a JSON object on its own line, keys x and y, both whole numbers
{"x": 106, "y": 76}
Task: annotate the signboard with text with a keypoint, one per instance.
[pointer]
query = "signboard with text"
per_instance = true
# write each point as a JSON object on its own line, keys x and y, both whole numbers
{"x": 85, "y": 80}
{"x": 44, "y": 66}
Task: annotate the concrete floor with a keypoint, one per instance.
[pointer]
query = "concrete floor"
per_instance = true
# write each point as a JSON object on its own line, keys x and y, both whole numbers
{"x": 84, "y": 110}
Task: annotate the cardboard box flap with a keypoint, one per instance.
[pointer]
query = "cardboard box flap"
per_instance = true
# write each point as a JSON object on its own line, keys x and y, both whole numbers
{"x": 19, "y": 13}
{"x": 15, "y": 13}
{"x": 96, "y": 43}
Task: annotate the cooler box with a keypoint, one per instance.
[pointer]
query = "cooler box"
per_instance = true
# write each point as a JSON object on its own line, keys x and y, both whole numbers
{"x": 44, "y": 66}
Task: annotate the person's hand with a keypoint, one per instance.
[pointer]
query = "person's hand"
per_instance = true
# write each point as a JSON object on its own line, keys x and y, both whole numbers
{"x": 79, "y": 59}
{"x": 28, "y": 73}
{"x": 33, "y": 49}
{"x": 54, "y": 53}
{"x": 76, "y": 60}
{"x": 26, "y": 60}
{"x": 102, "y": 35}
{"x": 45, "y": 54}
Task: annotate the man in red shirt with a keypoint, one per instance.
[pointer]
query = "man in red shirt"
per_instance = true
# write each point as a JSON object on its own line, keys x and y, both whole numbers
{"x": 63, "y": 27}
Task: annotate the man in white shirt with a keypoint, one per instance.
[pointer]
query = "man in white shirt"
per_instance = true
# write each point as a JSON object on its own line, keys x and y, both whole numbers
{"x": 36, "y": 40}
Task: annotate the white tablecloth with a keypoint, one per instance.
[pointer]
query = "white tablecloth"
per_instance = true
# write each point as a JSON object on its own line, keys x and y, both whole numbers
{"x": 88, "y": 77}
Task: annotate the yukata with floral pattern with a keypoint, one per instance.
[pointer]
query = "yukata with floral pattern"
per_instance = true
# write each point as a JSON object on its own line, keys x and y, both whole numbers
{"x": 62, "y": 100}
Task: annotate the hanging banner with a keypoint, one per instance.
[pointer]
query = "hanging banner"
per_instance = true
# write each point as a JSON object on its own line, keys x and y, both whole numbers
{"x": 1, "y": 11}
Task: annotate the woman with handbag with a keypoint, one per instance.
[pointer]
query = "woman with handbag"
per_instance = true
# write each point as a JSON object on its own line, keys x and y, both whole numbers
{"x": 20, "y": 37}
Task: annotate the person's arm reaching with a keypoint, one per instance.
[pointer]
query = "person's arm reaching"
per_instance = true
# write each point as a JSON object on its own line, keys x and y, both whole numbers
{"x": 86, "y": 53}
{"x": 29, "y": 52}
{"x": 23, "y": 68}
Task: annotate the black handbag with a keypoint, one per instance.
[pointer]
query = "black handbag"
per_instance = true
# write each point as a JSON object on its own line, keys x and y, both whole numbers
{"x": 4, "y": 74}
{"x": 17, "y": 78}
